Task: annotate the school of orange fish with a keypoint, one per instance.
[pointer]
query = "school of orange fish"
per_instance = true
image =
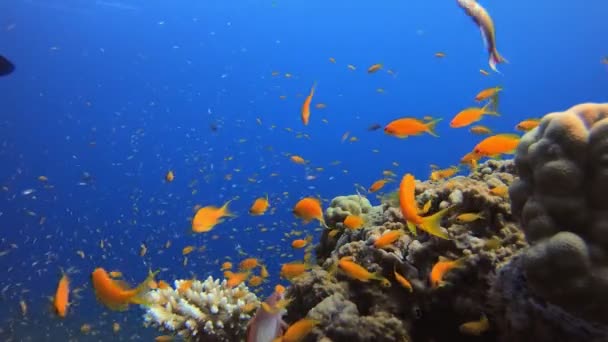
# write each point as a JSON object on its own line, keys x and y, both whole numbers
{"x": 112, "y": 292}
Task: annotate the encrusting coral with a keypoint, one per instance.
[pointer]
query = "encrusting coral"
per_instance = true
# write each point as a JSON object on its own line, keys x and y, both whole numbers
{"x": 206, "y": 311}
{"x": 559, "y": 286}
{"x": 349, "y": 309}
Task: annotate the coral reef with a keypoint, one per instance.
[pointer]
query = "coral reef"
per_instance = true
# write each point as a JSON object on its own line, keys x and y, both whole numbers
{"x": 561, "y": 281}
{"x": 205, "y": 311}
{"x": 349, "y": 309}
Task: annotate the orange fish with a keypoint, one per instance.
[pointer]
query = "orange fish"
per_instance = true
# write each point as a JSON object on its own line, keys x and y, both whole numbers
{"x": 309, "y": 208}
{"x": 470, "y": 115}
{"x": 163, "y": 285}
{"x": 356, "y": 271}
{"x": 301, "y": 243}
{"x": 169, "y": 177}
{"x": 471, "y": 160}
{"x": 402, "y": 280}
{"x": 483, "y": 72}
{"x": 115, "y": 294}
{"x": 234, "y": 279}
{"x": 439, "y": 54}
{"x": 292, "y": 270}
{"x": 297, "y": 159}
{"x": 481, "y": 130}
{"x": 527, "y": 125}
{"x": 331, "y": 59}
{"x": 226, "y": 266}
{"x": 377, "y": 185}
{"x": 306, "y": 105}
{"x": 259, "y": 206}
{"x": 62, "y": 294}
{"x": 372, "y": 69}
{"x": 487, "y": 93}
{"x": 497, "y": 144}
{"x": 208, "y": 217}
{"x": 388, "y": 238}
{"x": 298, "y": 331}
{"x": 353, "y": 222}
{"x": 444, "y": 173}
{"x": 248, "y": 264}
{"x": 441, "y": 268}
{"x": 187, "y": 250}
{"x": 404, "y": 127}
{"x": 409, "y": 209}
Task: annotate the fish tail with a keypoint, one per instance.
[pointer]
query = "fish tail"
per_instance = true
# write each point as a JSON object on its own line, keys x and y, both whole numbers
{"x": 411, "y": 227}
{"x": 496, "y": 58}
{"x": 487, "y": 111}
{"x": 312, "y": 89}
{"x": 430, "y": 127}
{"x": 226, "y": 210}
{"x": 432, "y": 224}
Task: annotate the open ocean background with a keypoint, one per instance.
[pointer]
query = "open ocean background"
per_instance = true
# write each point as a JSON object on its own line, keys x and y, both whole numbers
{"x": 108, "y": 96}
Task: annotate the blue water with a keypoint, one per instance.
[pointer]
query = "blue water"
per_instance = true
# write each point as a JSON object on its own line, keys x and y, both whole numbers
{"x": 107, "y": 96}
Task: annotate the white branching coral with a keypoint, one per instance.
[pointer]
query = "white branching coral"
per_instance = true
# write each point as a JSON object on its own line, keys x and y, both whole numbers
{"x": 207, "y": 310}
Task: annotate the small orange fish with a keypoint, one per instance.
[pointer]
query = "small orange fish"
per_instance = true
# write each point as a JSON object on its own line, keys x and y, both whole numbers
{"x": 187, "y": 250}
{"x": 115, "y": 274}
{"x": 470, "y": 115}
{"x": 442, "y": 267}
{"x": 259, "y": 206}
{"x": 305, "y": 112}
{"x": 487, "y": 93}
{"x": 480, "y": 130}
{"x": 208, "y": 217}
{"x": 169, "y": 177}
{"x": 388, "y": 238}
{"x": 501, "y": 191}
{"x": 483, "y": 72}
{"x": 320, "y": 105}
{"x": 475, "y": 328}
{"x": 62, "y": 294}
{"x": 227, "y": 265}
{"x": 249, "y": 264}
{"x": 255, "y": 281}
{"x": 402, "y": 280}
{"x": 234, "y": 279}
{"x": 471, "y": 159}
{"x": 353, "y": 222}
{"x": 358, "y": 272}
{"x": 437, "y": 175}
{"x": 309, "y": 208}
{"x": 333, "y": 60}
{"x": 527, "y": 125}
{"x": 409, "y": 209}
{"x": 439, "y": 54}
{"x": 496, "y": 145}
{"x": 292, "y": 270}
{"x": 298, "y": 331}
{"x": 301, "y": 243}
{"x": 372, "y": 69}
{"x": 377, "y": 185}
{"x": 114, "y": 293}
{"x": 163, "y": 285}
{"x": 404, "y": 127}
{"x": 297, "y": 159}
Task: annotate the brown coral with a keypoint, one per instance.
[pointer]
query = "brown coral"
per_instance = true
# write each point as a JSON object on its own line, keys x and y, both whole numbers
{"x": 560, "y": 201}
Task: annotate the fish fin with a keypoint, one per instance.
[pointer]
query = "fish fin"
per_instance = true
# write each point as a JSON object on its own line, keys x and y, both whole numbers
{"x": 411, "y": 227}
{"x": 226, "y": 211}
{"x": 496, "y": 58}
{"x": 483, "y": 36}
{"x": 430, "y": 126}
{"x": 486, "y": 110}
{"x": 432, "y": 224}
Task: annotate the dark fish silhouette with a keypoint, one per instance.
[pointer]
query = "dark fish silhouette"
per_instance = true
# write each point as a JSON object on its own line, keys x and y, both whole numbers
{"x": 374, "y": 127}
{"x": 6, "y": 66}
